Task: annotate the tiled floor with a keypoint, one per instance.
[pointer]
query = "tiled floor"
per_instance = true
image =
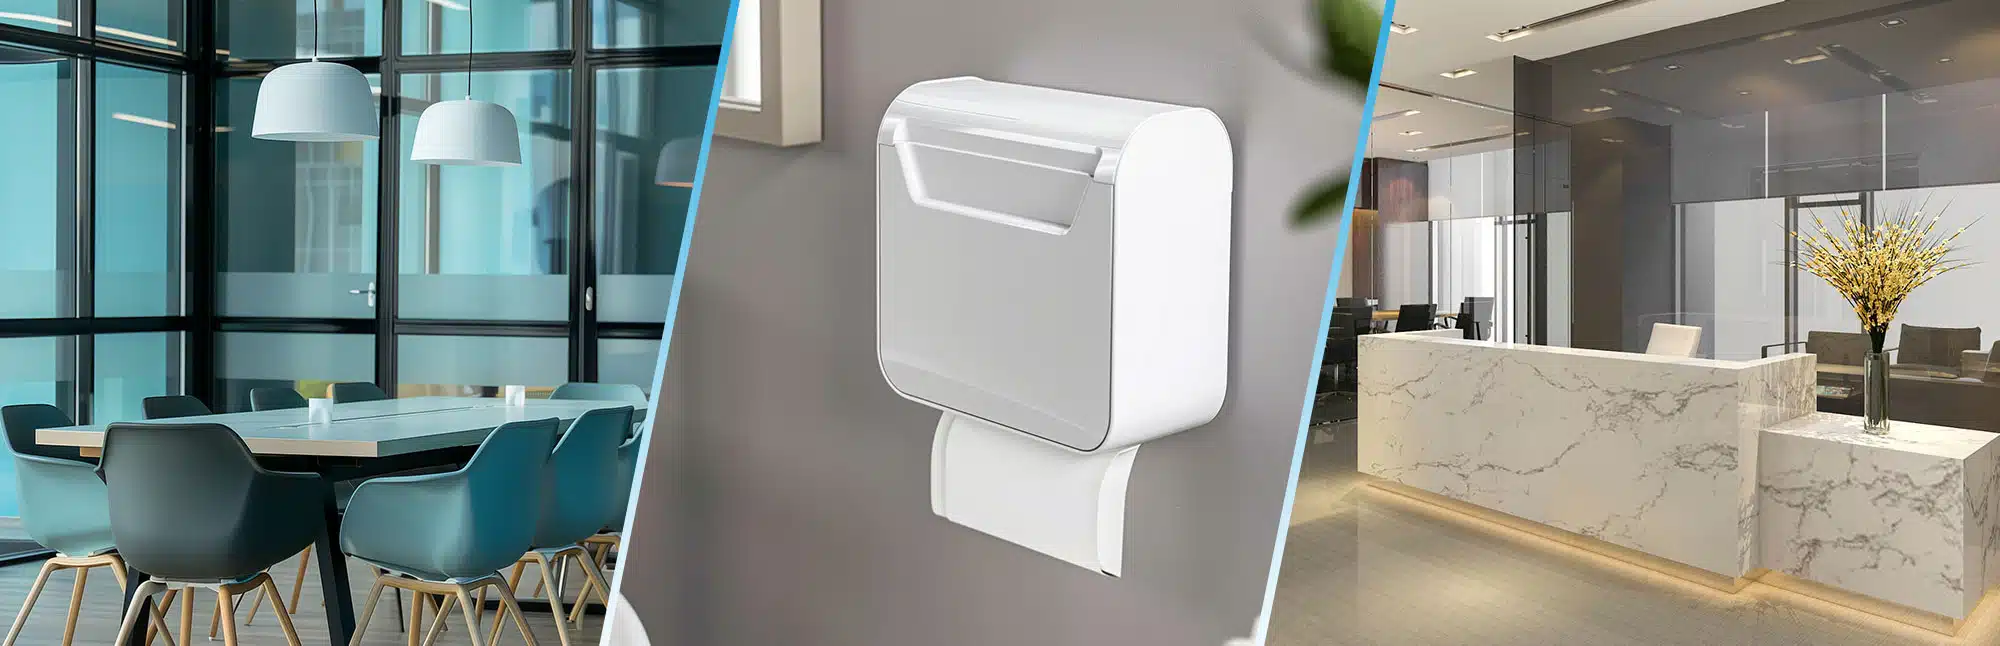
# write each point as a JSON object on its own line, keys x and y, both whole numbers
{"x": 1365, "y": 567}
{"x": 99, "y": 623}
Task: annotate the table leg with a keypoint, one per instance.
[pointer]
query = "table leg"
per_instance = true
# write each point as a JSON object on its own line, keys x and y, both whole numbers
{"x": 333, "y": 581}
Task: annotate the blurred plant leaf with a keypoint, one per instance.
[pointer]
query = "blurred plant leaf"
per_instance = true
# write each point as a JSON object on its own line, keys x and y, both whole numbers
{"x": 1322, "y": 201}
{"x": 1350, "y": 30}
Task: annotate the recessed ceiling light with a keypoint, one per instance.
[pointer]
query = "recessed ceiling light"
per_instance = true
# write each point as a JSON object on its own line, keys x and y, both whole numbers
{"x": 1420, "y": 149}
{"x": 1894, "y": 22}
{"x": 29, "y": 17}
{"x": 144, "y": 121}
{"x": 1732, "y": 126}
{"x": 1397, "y": 114}
{"x": 1401, "y": 28}
{"x": 1412, "y": 133}
{"x": 1597, "y": 109}
{"x": 1809, "y": 58}
{"x": 1743, "y": 93}
{"x": 1924, "y": 98}
{"x": 1609, "y": 140}
{"x": 1498, "y": 127}
{"x": 1614, "y": 70}
{"x": 1672, "y": 67}
{"x": 1458, "y": 73}
{"x": 1511, "y": 35}
{"x": 1946, "y": 59}
{"x": 1609, "y": 91}
{"x": 1673, "y": 109}
{"x": 1778, "y": 34}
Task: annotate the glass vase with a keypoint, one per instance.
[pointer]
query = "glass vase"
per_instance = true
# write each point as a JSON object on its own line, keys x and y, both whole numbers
{"x": 1875, "y": 393}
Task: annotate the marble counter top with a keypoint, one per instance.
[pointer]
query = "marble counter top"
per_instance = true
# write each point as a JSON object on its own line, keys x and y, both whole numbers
{"x": 1910, "y": 517}
{"x": 1720, "y": 465}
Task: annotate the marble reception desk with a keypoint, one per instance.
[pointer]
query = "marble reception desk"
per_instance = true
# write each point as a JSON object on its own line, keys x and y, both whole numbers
{"x": 1722, "y": 466}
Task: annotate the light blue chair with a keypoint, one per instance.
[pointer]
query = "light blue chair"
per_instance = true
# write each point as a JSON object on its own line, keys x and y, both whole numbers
{"x": 357, "y": 391}
{"x": 64, "y": 507}
{"x": 612, "y": 535}
{"x": 600, "y": 392}
{"x": 444, "y": 536}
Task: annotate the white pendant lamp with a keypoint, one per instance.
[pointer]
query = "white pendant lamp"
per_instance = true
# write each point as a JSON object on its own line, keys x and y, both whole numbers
{"x": 467, "y": 132}
{"x": 677, "y": 163}
{"x": 315, "y": 101}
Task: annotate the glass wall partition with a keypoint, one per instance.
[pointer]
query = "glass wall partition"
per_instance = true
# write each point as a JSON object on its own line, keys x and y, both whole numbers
{"x": 93, "y": 317}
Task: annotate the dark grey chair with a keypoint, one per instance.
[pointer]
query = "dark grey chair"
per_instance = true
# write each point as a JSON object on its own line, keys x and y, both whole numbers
{"x": 191, "y": 508}
{"x": 1475, "y": 316}
{"x": 276, "y": 399}
{"x": 1935, "y": 348}
{"x": 171, "y": 406}
{"x": 1841, "y": 348}
{"x": 357, "y": 391}
{"x": 1363, "y": 317}
{"x": 1416, "y": 316}
{"x": 21, "y": 422}
{"x": 1353, "y": 301}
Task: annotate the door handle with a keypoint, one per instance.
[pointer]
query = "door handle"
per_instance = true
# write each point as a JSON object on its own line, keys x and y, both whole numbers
{"x": 590, "y": 299}
{"x": 369, "y": 292}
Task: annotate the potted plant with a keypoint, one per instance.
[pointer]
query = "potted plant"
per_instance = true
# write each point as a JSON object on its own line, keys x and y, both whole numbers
{"x": 1876, "y": 268}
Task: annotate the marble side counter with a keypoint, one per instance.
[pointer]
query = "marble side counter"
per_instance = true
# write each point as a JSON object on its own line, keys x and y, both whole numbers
{"x": 1912, "y": 517}
{"x": 1655, "y": 454}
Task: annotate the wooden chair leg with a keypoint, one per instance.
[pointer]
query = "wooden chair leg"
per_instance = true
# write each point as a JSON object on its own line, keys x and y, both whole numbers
{"x": 416, "y": 627}
{"x": 142, "y": 605}
{"x": 228, "y": 607}
{"x": 367, "y": 611}
{"x": 511, "y": 607}
{"x": 593, "y": 580}
{"x": 75, "y": 605}
{"x": 555, "y": 598}
{"x": 284, "y": 618}
{"x": 437, "y": 625}
{"x": 34, "y": 591}
{"x": 299, "y": 583}
{"x": 187, "y": 623}
{"x": 166, "y": 605}
{"x": 471, "y": 623}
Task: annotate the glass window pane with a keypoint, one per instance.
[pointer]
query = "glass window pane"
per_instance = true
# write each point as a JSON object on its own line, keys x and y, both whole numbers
{"x": 628, "y": 361}
{"x": 36, "y": 370}
{"x": 138, "y": 192}
{"x": 130, "y": 368}
{"x": 280, "y": 29}
{"x": 296, "y": 226}
{"x": 52, "y": 15}
{"x": 153, "y": 23}
{"x": 444, "y": 26}
{"x": 479, "y": 365}
{"x": 649, "y": 128}
{"x": 651, "y": 23}
{"x": 38, "y": 234}
{"x": 743, "y": 78}
{"x": 307, "y": 363}
{"x": 487, "y": 243}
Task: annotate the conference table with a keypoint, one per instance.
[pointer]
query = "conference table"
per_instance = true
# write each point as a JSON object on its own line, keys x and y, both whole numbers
{"x": 363, "y": 440}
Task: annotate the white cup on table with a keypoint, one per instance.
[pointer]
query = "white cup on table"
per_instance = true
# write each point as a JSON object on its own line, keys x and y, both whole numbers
{"x": 319, "y": 410}
{"x": 517, "y": 396}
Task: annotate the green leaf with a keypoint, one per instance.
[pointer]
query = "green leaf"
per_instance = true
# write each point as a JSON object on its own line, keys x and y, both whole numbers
{"x": 1351, "y": 27}
{"x": 1321, "y": 201}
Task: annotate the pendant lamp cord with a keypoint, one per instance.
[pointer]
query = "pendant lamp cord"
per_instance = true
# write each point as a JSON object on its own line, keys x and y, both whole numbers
{"x": 469, "y": 45}
{"x": 315, "y": 55}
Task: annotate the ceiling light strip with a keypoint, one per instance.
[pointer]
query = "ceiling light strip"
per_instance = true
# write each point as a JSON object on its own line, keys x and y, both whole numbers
{"x": 1836, "y": 21}
{"x": 1529, "y": 29}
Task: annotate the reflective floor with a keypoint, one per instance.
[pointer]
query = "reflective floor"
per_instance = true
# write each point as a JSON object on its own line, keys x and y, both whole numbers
{"x": 1363, "y": 566}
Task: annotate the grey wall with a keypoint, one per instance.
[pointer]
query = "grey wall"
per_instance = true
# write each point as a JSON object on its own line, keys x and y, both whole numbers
{"x": 786, "y": 496}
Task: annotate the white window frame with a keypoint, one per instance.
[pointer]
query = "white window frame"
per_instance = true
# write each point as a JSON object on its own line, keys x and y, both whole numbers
{"x": 787, "y": 55}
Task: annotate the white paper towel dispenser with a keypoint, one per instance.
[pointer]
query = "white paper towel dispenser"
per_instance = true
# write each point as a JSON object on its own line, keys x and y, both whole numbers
{"x": 1052, "y": 273}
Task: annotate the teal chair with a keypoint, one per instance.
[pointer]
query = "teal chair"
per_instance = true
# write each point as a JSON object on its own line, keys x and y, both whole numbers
{"x": 447, "y": 535}
{"x": 357, "y": 391}
{"x": 577, "y": 500}
{"x": 609, "y": 538}
{"x": 63, "y": 507}
{"x": 276, "y": 399}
